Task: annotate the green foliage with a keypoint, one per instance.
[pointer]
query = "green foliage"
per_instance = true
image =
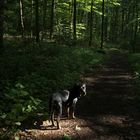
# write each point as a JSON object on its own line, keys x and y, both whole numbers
{"x": 125, "y": 45}
{"x": 17, "y": 105}
{"x": 66, "y": 137}
{"x": 17, "y": 138}
{"x": 30, "y": 74}
{"x": 62, "y": 19}
{"x": 135, "y": 61}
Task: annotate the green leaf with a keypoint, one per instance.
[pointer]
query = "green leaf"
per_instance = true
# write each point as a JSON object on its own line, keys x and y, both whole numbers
{"x": 29, "y": 108}
{"x": 19, "y": 85}
{"x": 23, "y": 109}
{"x": 3, "y": 116}
{"x": 23, "y": 93}
{"x": 18, "y": 123}
{"x": 66, "y": 137}
{"x": 17, "y": 138}
{"x": 35, "y": 101}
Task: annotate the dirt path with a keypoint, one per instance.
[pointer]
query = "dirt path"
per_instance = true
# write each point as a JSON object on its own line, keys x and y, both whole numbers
{"x": 108, "y": 112}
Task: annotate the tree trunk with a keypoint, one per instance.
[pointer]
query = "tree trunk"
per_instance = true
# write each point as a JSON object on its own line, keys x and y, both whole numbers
{"x": 1, "y": 22}
{"x": 122, "y": 22}
{"x": 136, "y": 25}
{"x": 132, "y": 27}
{"x": 74, "y": 20}
{"x": 70, "y": 18}
{"x": 116, "y": 21}
{"x": 102, "y": 25}
{"x": 52, "y": 19}
{"x": 44, "y": 18}
{"x": 127, "y": 33}
{"x": 21, "y": 17}
{"x": 91, "y": 23}
{"x": 32, "y": 18}
{"x": 37, "y": 20}
{"x": 106, "y": 22}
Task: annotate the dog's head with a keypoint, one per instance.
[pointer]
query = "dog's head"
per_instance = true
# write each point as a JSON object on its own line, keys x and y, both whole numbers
{"x": 80, "y": 90}
{"x": 83, "y": 91}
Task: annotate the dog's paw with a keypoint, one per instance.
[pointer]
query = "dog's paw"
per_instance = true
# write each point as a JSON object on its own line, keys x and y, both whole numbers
{"x": 71, "y": 117}
{"x": 59, "y": 127}
{"x": 52, "y": 125}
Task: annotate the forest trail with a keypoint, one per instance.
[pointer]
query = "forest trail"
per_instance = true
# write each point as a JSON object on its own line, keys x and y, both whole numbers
{"x": 108, "y": 112}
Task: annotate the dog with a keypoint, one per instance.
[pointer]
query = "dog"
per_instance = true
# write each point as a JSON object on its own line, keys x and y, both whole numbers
{"x": 67, "y": 99}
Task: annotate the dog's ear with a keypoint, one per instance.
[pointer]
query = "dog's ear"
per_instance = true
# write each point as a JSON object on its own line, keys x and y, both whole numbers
{"x": 82, "y": 79}
{"x": 84, "y": 84}
{"x": 77, "y": 84}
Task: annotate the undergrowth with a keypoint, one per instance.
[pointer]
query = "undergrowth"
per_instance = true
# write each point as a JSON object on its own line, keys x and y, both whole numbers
{"x": 29, "y": 73}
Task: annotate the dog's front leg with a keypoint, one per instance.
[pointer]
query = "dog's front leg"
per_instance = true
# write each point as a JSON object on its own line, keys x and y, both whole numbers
{"x": 68, "y": 111}
{"x": 72, "y": 108}
{"x": 72, "y": 115}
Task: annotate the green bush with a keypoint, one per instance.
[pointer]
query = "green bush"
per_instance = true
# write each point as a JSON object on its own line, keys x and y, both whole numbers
{"x": 18, "y": 105}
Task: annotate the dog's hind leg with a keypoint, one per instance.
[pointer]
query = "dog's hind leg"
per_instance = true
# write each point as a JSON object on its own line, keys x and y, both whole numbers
{"x": 58, "y": 122}
{"x": 52, "y": 118}
{"x": 51, "y": 110}
{"x": 68, "y": 112}
{"x": 59, "y": 116}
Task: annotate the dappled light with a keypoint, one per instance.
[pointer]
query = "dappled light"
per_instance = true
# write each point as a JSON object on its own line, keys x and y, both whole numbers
{"x": 71, "y": 128}
{"x": 69, "y": 70}
{"x": 99, "y": 127}
{"x": 107, "y": 112}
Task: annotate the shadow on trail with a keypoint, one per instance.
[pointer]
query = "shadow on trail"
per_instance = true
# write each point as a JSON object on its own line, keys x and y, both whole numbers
{"x": 111, "y": 101}
{"x": 108, "y": 112}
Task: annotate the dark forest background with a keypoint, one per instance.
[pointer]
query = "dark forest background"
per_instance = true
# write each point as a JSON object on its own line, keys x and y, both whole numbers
{"x": 48, "y": 45}
{"x": 81, "y": 21}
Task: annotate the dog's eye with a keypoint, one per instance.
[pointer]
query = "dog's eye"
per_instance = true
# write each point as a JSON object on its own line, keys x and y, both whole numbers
{"x": 83, "y": 87}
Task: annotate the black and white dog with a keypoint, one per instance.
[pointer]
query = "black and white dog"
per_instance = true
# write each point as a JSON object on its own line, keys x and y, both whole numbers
{"x": 67, "y": 99}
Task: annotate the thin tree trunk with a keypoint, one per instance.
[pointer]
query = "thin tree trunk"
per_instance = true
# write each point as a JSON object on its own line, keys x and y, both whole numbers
{"x": 37, "y": 20}
{"x": 132, "y": 27}
{"x": 127, "y": 33}
{"x": 44, "y": 18}
{"x": 1, "y": 22}
{"x": 116, "y": 29}
{"x": 52, "y": 19}
{"x": 102, "y": 26}
{"x": 136, "y": 25}
{"x": 91, "y": 23}
{"x": 21, "y": 17}
{"x": 122, "y": 23}
{"x": 74, "y": 20}
{"x": 106, "y": 22}
{"x": 32, "y": 18}
{"x": 70, "y": 18}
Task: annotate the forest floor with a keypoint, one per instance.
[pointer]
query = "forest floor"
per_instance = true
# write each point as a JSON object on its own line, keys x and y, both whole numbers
{"x": 109, "y": 111}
